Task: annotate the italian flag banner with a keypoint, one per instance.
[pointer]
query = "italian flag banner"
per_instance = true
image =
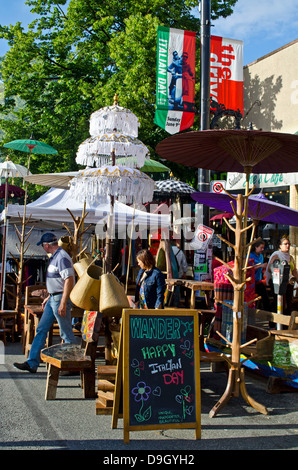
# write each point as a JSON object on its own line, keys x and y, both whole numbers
{"x": 175, "y": 81}
{"x": 226, "y": 72}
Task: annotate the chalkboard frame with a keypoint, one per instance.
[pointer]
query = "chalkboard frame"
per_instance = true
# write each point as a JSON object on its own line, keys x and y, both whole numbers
{"x": 124, "y": 365}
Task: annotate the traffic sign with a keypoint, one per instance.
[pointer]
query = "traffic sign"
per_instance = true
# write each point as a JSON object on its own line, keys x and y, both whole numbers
{"x": 201, "y": 237}
{"x": 218, "y": 186}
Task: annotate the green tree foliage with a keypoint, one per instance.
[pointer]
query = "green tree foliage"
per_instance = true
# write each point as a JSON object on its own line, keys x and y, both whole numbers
{"x": 73, "y": 59}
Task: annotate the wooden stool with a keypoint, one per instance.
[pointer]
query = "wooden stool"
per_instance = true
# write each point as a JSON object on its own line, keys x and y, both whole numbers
{"x": 106, "y": 375}
{"x": 70, "y": 357}
{"x": 3, "y": 332}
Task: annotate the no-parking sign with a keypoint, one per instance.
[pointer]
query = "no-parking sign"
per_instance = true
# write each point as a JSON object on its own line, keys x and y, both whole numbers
{"x": 201, "y": 237}
{"x": 218, "y": 186}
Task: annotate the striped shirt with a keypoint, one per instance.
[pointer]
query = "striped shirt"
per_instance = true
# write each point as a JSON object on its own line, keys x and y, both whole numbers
{"x": 60, "y": 268}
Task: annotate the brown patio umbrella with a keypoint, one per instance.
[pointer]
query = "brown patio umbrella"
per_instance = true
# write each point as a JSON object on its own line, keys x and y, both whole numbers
{"x": 233, "y": 150}
{"x": 243, "y": 151}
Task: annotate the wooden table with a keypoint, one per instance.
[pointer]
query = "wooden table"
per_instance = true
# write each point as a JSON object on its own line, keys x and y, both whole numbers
{"x": 35, "y": 312}
{"x": 194, "y": 286}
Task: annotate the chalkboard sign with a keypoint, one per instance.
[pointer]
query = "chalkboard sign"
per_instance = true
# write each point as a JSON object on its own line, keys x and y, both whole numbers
{"x": 161, "y": 370}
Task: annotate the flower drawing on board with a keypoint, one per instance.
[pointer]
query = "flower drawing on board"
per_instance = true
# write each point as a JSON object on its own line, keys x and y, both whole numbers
{"x": 141, "y": 393}
{"x": 185, "y": 399}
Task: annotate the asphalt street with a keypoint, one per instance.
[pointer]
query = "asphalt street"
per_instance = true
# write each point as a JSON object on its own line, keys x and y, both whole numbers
{"x": 29, "y": 422}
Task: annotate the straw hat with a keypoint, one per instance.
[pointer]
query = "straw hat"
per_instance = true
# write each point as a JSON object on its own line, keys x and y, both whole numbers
{"x": 85, "y": 293}
{"x": 112, "y": 296}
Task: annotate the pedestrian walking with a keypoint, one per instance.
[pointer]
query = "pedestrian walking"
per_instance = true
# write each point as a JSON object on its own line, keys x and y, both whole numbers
{"x": 60, "y": 280}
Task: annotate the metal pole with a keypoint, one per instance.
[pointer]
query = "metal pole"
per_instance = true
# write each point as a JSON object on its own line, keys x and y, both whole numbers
{"x": 204, "y": 175}
{"x": 4, "y": 245}
{"x": 280, "y": 307}
{"x": 205, "y": 63}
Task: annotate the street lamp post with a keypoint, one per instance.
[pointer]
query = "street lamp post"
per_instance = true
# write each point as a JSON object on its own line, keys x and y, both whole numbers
{"x": 204, "y": 175}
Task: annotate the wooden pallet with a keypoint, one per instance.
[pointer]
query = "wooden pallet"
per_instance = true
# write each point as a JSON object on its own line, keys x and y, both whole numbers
{"x": 106, "y": 375}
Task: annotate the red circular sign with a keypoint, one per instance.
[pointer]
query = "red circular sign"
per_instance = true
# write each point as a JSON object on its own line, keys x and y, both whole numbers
{"x": 202, "y": 236}
{"x": 218, "y": 187}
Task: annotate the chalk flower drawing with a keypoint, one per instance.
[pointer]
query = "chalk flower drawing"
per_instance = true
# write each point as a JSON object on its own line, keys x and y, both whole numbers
{"x": 183, "y": 398}
{"x": 141, "y": 393}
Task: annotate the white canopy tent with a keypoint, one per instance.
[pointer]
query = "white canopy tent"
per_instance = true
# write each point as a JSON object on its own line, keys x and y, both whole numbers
{"x": 51, "y": 210}
{"x": 33, "y": 250}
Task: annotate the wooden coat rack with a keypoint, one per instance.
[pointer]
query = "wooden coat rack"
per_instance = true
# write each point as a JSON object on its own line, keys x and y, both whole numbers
{"x": 236, "y": 379}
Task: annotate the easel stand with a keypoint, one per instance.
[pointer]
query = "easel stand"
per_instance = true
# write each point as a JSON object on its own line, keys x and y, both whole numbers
{"x": 164, "y": 399}
{"x": 236, "y": 378}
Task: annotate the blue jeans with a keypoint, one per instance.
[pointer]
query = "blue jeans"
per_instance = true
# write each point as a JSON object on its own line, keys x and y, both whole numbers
{"x": 50, "y": 314}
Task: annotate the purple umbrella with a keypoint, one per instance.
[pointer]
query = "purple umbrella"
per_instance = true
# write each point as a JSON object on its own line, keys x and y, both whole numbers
{"x": 259, "y": 207}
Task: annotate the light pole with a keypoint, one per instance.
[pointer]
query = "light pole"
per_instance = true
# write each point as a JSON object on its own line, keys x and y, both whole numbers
{"x": 205, "y": 9}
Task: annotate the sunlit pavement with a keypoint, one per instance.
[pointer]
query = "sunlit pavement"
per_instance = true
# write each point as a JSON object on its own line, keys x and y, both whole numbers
{"x": 28, "y": 422}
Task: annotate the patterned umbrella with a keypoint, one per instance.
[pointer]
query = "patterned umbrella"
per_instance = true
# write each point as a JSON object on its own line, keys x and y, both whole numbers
{"x": 113, "y": 129}
{"x": 173, "y": 186}
{"x": 114, "y": 132}
{"x": 96, "y": 150}
{"x": 96, "y": 184}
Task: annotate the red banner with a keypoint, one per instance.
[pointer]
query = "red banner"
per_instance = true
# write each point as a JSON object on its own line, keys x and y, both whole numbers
{"x": 226, "y": 72}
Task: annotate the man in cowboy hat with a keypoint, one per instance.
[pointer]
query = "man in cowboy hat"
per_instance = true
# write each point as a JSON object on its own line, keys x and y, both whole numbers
{"x": 57, "y": 306}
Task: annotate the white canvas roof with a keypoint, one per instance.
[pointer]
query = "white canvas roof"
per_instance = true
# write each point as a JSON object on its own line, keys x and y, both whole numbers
{"x": 32, "y": 249}
{"x": 52, "y": 207}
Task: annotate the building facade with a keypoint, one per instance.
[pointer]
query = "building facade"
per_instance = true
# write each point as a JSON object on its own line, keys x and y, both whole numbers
{"x": 271, "y": 104}
{"x": 271, "y": 91}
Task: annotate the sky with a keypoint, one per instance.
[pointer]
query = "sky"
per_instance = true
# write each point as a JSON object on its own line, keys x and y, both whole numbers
{"x": 262, "y": 25}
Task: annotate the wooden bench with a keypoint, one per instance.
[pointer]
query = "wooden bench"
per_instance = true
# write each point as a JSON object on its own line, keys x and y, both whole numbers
{"x": 69, "y": 357}
{"x": 263, "y": 318}
{"x": 75, "y": 358}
